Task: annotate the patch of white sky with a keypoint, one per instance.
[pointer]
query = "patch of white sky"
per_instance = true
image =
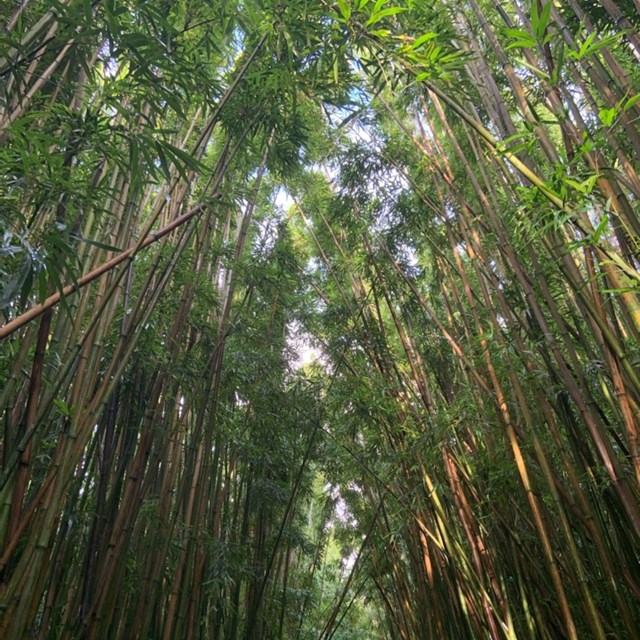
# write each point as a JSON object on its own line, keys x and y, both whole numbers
{"x": 343, "y": 516}
{"x": 341, "y": 511}
{"x": 109, "y": 61}
{"x": 302, "y": 346}
{"x": 283, "y": 199}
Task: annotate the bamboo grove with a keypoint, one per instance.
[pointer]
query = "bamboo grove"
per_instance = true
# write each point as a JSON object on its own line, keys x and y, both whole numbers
{"x": 438, "y": 200}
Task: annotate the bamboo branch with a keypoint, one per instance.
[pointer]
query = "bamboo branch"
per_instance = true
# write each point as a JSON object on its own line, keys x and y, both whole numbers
{"x": 129, "y": 254}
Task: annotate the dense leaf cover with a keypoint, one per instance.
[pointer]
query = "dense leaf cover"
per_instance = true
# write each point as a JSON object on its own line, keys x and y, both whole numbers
{"x": 321, "y": 319}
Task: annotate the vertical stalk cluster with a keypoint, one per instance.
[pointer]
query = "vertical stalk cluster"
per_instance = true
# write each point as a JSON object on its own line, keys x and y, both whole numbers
{"x": 489, "y": 279}
{"x": 463, "y": 459}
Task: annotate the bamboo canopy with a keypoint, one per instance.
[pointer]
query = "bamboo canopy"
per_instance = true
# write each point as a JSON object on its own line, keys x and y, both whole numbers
{"x": 320, "y": 319}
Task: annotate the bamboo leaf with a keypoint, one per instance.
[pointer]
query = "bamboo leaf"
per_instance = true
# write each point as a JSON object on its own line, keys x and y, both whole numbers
{"x": 607, "y": 116}
{"x": 423, "y": 39}
{"x": 631, "y": 102}
{"x": 599, "y": 230}
{"x": 383, "y": 13}
{"x": 540, "y": 21}
{"x": 345, "y": 9}
{"x": 96, "y": 243}
{"x": 590, "y": 46}
{"x": 521, "y": 39}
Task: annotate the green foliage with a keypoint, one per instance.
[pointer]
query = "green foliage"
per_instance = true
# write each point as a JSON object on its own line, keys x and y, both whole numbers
{"x": 459, "y": 252}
